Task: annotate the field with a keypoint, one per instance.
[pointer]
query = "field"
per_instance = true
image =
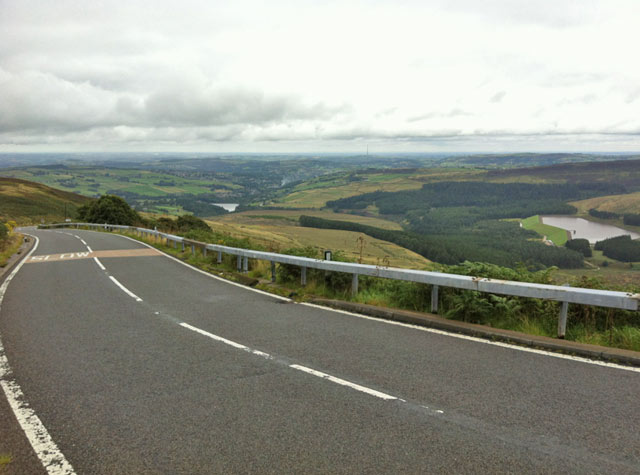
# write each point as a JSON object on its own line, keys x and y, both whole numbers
{"x": 278, "y": 230}
{"x": 556, "y": 235}
{"x": 621, "y": 204}
{"x": 315, "y": 193}
{"x": 612, "y": 273}
{"x": 93, "y": 181}
{"x": 28, "y": 202}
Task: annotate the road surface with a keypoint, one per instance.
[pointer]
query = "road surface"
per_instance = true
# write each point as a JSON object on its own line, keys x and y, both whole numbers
{"x": 136, "y": 363}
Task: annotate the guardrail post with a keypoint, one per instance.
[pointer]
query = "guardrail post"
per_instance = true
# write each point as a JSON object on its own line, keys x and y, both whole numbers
{"x": 219, "y": 257}
{"x": 354, "y": 285}
{"x": 193, "y": 249}
{"x": 245, "y": 264}
{"x": 434, "y": 299}
{"x": 303, "y": 276}
{"x": 204, "y": 251}
{"x": 239, "y": 263}
{"x": 182, "y": 246}
{"x": 175, "y": 244}
{"x": 562, "y": 318}
{"x": 273, "y": 271}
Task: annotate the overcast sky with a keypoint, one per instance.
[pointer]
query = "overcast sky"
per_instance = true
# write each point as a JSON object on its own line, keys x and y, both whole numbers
{"x": 299, "y": 76}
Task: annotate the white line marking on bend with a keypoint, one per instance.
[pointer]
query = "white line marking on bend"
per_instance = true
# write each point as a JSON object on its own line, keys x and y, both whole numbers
{"x": 90, "y": 250}
{"x": 43, "y": 445}
{"x": 227, "y": 342}
{"x": 99, "y": 263}
{"x": 342, "y": 382}
{"x": 481, "y": 340}
{"x": 125, "y": 290}
{"x": 328, "y": 377}
{"x": 82, "y": 241}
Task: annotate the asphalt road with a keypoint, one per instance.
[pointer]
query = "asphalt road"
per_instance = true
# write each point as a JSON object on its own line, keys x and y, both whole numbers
{"x": 168, "y": 370}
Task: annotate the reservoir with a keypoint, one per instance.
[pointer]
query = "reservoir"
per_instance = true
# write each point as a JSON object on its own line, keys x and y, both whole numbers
{"x": 580, "y": 228}
{"x": 228, "y": 206}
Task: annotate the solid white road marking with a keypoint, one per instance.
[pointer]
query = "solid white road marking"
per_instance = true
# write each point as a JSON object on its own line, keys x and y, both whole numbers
{"x": 125, "y": 290}
{"x": 482, "y": 340}
{"x": 343, "y": 382}
{"x": 99, "y": 263}
{"x": 43, "y": 445}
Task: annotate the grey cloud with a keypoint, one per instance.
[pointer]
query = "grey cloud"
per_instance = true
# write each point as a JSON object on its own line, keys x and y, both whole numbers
{"x": 497, "y": 97}
{"x": 457, "y": 112}
{"x": 40, "y": 102}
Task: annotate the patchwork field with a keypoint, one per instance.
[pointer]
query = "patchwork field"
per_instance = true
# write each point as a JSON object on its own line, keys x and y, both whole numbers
{"x": 92, "y": 181}
{"x": 315, "y": 193}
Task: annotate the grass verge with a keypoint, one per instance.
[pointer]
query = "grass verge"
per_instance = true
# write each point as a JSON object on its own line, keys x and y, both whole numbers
{"x": 9, "y": 248}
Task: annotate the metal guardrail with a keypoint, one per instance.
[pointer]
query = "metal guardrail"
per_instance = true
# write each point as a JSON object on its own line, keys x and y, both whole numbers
{"x": 565, "y": 294}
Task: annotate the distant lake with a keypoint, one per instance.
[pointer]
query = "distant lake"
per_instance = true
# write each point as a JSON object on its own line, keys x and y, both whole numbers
{"x": 584, "y": 229}
{"x": 228, "y": 206}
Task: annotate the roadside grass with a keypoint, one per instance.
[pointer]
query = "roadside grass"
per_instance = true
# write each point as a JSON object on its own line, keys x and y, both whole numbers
{"x": 5, "y": 459}
{"x": 556, "y": 235}
{"x": 593, "y": 325}
{"x": 9, "y": 248}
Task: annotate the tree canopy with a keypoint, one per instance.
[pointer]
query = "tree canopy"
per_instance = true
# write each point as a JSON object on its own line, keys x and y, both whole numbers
{"x": 109, "y": 209}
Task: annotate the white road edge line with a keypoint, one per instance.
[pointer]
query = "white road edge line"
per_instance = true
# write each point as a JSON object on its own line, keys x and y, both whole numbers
{"x": 99, "y": 263}
{"x": 343, "y": 382}
{"x": 125, "y": 290}
{"x": 480, "y": 340}
{"x": 406, "y": 325}
{"x": 53, "y": 461}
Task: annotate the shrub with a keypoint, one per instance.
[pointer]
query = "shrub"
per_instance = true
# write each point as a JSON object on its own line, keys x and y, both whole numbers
{"x": 108, "y": 209}
{"x": 580, "y": 245}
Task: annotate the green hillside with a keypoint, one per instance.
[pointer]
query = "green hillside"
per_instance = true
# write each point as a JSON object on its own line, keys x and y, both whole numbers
{"x": 27, "y": 202}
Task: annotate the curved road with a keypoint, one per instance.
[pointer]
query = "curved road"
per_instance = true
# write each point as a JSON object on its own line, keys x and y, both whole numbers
{"x": 137, "y": 363}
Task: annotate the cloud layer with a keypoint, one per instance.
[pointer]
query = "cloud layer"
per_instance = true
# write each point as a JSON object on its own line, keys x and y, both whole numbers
{"x": 415, "y": 75}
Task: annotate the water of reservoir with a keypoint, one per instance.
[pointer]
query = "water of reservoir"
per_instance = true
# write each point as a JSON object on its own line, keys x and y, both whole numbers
{"x": 228, "y": 206}
{"x": 584, "y": 229}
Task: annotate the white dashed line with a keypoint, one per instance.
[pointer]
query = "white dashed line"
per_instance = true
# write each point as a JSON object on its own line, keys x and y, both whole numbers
{"x": 82, "y": 241}
{"x": 99, "y": 263}
{"x": 125, "y": 290}
{"x": 319, "y": 374}
{"x": 343, "y": 382}
{"x": 90, "y": 250}
{"x": 43, "y": 445}
{"x": 227, "y": 342}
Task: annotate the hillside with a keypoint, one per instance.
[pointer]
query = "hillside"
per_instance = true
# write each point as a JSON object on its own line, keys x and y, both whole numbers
{"x": 621, "y": 172}
{"x": 279, "y": 230}
{"x": 27, "y": 202}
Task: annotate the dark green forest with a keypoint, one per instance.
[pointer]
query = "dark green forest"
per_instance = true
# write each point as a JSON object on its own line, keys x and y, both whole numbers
{"x": 450, "y": 222}
{"x": 621, "y": 248}
{"x": 496, "y": 242}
